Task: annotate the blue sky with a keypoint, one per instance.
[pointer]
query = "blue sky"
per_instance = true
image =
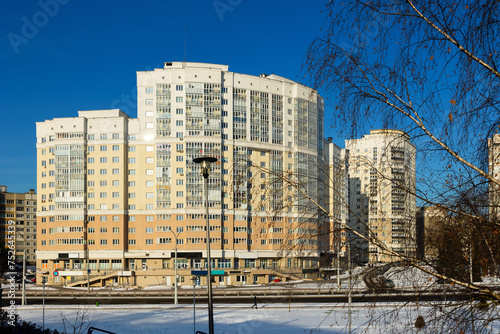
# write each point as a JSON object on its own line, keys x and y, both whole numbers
{"x": 61, "y": 56}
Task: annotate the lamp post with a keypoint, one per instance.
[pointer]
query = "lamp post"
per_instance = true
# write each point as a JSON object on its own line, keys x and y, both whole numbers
{"x": 205, "y": 171}
{"x": 175, "y": 268}
{"x": 24, "y": 277}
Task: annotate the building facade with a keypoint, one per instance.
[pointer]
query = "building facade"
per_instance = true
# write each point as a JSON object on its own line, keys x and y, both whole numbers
{"x": 381, "y": 195}
{"x": 494, "y": 171}
{"x": 117, "y": 194}
{"x": 18, "y": 223}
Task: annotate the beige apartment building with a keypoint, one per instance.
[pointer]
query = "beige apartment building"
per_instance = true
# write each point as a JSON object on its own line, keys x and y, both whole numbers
{"x": 18, "y": 221}
{"x": 117, "y": 194}
{"x": 381, "y": 188}
{"x": 494, "y": 171}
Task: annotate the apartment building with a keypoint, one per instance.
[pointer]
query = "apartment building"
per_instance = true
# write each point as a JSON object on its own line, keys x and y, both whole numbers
{"x": 18, "y": 220}
{"x": 381, "y": 188}
{"x": 429, "y": 222}
{"x": 119, "y": 193}
{"x": 494, "y": 171}
{"x": 338, "y": 203}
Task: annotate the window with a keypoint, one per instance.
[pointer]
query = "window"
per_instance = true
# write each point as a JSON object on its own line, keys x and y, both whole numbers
{"x": 103, "y": 148}
{"x": 116, "y": 230}
{"x": 116, "y": 136}
{"x": 104, "y": 136}
{"x": 149, "y": 90}
{"x": 179, "y": 87}
{"x": 149, "y": 102}
{"x": 131, "y": 148}
{"x": 179, "y": 182}
{"x": 90, "y": 160}
{"x": 179, "y": 135}
{"x": 116, "y": 194}
{"x": 116, "y": 218}
{"x": 116, "y": 171}
{"x": 149, "y": 125}
{"x": 131, "y": 195}
{"x": 179, "y": 99}
{"x": 149, "y": 172}
{"x": 179, "y": 147}
{"x": 103, "y": 195}
{"x": 180, "y": 194}
{"x": 91, "y": 148}
{"x": 116, "y": 183}
{"x": 91, "y": 195}
{"x": 179, "y": 123}
{"x": 149, "y": 230}
{"x": 131, "y": 172}
{"x": 149, "y": 241}
{"x": 103, "y": 183}
{"x": 131, "y": 230}
{"x": 116, "y": 147}
{"x": 179, "y": 111}
{"x": 131, "y": 241}
{"x": 131, "y": 160}
{"x": 149, "y": 183}
{"x": 104, "y": 230}
{"x": 180, "y": 170}
{"x": 149, "y": 195}
{"x": 150, "y": 148}
{"x": 104, "y": 171}
{"x": 179, "y": 158}
{"x": 131, "y": 183}
{"x": 104, "y": 242}
{"x": 116, "y": 159}
{"x": 149, "y": 114}
{"x": 150, "y": 218}
{"x": 149, "y": 160}
{"x": 180, "y": 217}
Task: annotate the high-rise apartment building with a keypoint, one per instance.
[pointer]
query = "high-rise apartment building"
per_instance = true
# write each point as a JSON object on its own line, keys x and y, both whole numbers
{"x": 494, "y": 171}
{"x": 429, "y": 224}
{"x": 117, "y": 193}
{"x": 381, "y": 196}
{"x": 338, "y": 202}
{"x": 18, "y": 223}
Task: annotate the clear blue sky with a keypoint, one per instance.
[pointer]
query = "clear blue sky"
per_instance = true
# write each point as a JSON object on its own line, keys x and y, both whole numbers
{"x": 81, "y": 55}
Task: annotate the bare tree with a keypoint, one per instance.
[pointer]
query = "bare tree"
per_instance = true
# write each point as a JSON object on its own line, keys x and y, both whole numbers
{"x": 430, "y": 69}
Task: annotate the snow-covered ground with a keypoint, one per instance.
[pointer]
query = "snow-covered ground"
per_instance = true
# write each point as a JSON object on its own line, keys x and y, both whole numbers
{"x": 267, "y": 319}
{"x": 238, "y": 319}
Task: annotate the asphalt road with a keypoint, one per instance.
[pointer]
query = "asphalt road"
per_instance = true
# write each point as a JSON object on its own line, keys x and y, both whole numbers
{"x": 232, "y": 297}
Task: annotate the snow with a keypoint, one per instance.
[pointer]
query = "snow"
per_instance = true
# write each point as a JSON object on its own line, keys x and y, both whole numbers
{"x": 268, "y": 318}
{"x": 240, "y": 319}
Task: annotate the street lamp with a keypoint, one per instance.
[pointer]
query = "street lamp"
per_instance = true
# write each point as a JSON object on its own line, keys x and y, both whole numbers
{"x": 175, "y": 268}
{"x": 205, "y": 171}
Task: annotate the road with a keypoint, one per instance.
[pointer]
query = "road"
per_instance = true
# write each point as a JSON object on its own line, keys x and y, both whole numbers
{"x": 230, "y": 296}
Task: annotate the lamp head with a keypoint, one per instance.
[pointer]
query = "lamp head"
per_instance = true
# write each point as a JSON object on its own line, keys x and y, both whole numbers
{"x": 205, "y": 164}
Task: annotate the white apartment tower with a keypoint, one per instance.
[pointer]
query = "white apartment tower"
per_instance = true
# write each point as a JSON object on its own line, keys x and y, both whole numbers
{"x": 116, "y": 194}
{"x": 382, "y": 205}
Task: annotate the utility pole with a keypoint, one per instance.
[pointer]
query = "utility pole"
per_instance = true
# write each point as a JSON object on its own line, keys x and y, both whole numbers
{"x": 24, "y": 276}
{"x": 175, "y": 268}
{"x": 349, "y": 299}
{"x": 338, "y": 266}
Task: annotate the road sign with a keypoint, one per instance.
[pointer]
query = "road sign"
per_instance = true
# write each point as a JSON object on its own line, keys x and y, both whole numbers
{"x": 205, "y": 272}
{"x": 56, "y": 272}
